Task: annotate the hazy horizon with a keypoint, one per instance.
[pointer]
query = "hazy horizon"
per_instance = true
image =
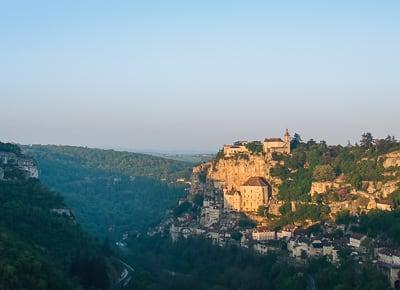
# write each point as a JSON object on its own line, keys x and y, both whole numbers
{"x": 178, "y": 76}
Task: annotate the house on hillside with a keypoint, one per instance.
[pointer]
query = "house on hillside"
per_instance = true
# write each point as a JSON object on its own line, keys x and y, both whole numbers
{"x": 263, "y": 234}
{"x": 356, "y": 239}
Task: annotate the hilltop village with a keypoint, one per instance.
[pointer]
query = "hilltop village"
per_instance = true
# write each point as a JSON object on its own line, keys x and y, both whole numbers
{"x": 302, "y": 200}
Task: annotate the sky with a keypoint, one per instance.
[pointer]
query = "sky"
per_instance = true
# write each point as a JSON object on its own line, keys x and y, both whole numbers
{"x": 193, "y": 75}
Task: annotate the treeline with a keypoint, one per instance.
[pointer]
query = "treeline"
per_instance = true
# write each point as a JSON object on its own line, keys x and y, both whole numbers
{"x": 115, "y": 162}
{"x": 10, "y": 148}
{"x": 111, "y": 192}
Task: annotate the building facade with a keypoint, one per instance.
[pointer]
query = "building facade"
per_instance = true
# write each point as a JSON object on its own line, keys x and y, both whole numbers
{"x": 255, "y": 192}
{"x": 277, "y": 145}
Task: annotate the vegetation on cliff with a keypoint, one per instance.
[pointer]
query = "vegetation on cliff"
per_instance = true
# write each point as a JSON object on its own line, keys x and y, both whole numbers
{"x": 313, "y": 161}
{"x": 42, "y": 249}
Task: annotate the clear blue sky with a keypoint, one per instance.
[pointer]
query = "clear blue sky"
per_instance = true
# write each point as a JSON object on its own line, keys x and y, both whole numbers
{"x": 193, "y": 75}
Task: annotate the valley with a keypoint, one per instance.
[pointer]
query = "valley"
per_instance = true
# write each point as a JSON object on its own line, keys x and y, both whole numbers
{"x": 289, "y": 216}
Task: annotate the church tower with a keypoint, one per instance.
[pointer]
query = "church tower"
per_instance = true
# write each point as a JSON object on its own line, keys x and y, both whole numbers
{"x": 287, "y": 140}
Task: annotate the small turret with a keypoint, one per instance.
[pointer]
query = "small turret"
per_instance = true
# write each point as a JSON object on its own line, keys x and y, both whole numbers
{"x": 287, "y": 140}
{"x": 286, "y": 137}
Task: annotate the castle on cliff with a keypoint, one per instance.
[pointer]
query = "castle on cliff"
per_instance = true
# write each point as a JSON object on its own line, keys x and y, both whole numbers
{"x": 256, "y": 191}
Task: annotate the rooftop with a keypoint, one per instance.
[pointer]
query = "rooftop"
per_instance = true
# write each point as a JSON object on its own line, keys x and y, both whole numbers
{"x": 273, "y": 140}
{"x": 256, "y": 181}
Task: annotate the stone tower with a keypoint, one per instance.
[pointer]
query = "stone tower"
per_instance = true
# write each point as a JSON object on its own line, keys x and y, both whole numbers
{"x": 287, "y": 140}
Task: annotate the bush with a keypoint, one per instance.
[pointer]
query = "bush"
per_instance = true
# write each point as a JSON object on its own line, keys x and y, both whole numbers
{"x": 255, "y": 147}
{"x": 245, "y": 222}
{"x": 324, "y": 173}
{"x": 236, "y": 236}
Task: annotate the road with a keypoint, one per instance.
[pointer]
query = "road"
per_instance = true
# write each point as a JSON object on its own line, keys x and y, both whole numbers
{"x": 125, "y": 277}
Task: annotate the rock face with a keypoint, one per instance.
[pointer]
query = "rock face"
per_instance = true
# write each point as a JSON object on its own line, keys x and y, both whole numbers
{"x": 381, "y": 189}
{"x": 392, "y": 159}
{"x": 322, "y": 187}
{"x": 223, "y": 179}
{"x": 9, "y": 160}
{"x": 235, "y": 171}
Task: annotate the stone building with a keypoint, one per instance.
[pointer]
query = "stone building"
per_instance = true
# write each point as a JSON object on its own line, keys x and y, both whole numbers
{"x": 255, "y": 192}
{"x": 277, "y": 145}
{"x": 231, "y": 150}
{"x": 356, "y": 239}
{"x": 263, "y": 234}
{"x": 232, "y": 200}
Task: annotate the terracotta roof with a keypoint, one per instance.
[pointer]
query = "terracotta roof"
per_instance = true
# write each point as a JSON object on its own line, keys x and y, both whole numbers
{"x": 256, "y": 181}
{"x": 273, "y": 140}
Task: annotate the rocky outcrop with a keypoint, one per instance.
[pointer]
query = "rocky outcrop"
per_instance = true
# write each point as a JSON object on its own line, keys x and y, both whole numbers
{"x": 10, "y": 161}
{"x": 235, "y": 171}
{"x": 322, "y": 187}
{"x": 392, "y": 159}
{"x": 199, "y": 179}
{"x": 381, "y": 189}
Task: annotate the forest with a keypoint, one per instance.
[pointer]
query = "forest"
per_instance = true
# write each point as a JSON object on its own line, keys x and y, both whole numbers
{"x": 41, "y": 249}
{"x": 111, "y": 192}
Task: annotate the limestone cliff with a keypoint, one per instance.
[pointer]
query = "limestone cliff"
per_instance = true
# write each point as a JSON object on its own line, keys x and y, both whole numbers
{"x": 392, "y": 159}
{"x": 235, "y": 171}
{"x": 231, "y": 173}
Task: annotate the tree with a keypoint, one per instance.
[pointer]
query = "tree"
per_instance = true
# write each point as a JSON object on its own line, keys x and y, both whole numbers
{"x": 295, "y": 142}
{"x": 262, "y": 210}
{"x": 255, "y": 147}
{"x": 285, "y": 208}
{"x": 198, "y": 200}
{"x": 324, "y": 173}
{"x": 356, "y": 181}
{"x": 395, "y": 197}
{"x": 366, "y": 140}
{"x": 236, "y": 236}
{"x": 245, "y": 222}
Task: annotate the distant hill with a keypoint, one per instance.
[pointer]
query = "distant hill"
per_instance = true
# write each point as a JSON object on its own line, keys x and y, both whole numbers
{"x": 110, "y": 191}
{"x": 41, "y": 245}
{"x": 191, "y": 158}
{"x": 117, "y": 162}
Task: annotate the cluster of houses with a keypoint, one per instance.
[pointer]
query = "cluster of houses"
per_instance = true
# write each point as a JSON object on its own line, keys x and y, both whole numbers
{"x": 225, "y": 206}
{"x": 221, "y": 227}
